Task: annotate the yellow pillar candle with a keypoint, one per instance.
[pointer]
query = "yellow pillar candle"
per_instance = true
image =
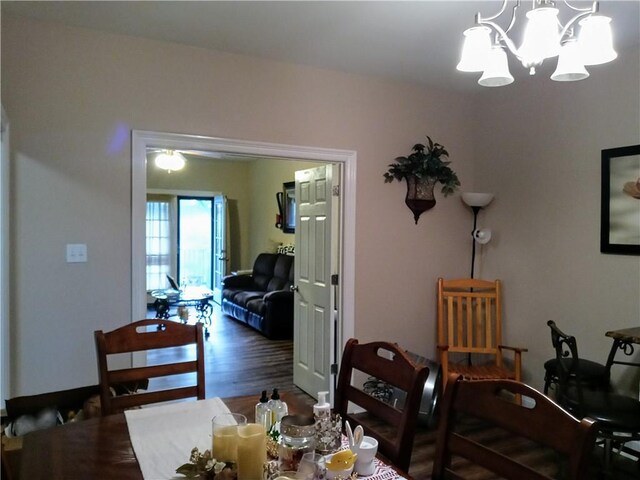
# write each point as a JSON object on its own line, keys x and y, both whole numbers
{"x": 225, "y": 436}
{"x": 252, "y": 451}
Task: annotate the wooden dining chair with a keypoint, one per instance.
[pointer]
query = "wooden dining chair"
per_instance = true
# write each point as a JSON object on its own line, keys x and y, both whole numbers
{"x": 393, "y": 426}
{"x": 470, "y": 330}
{"x": 618, "y": 416}
{"x": 141, "y": 336}
{"x": 537, "y": 420}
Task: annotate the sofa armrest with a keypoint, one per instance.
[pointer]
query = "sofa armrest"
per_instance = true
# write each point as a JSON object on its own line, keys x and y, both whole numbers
{"x": 238, "y": 281}
{"x": 279, "y": 296}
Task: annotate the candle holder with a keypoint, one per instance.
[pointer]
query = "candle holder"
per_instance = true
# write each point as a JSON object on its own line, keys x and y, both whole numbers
{"x": 329, "y": 434}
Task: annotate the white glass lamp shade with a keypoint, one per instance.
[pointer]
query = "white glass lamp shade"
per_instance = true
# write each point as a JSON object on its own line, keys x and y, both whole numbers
{"x": 595, "y": 41}
{"x": 474, "y": 199}
{"x": 170, "y": 161}
{"x": 497, "y": 72}
{"x": 570, "y": 67}
{"x": 475, "y": 50}
{"x": 541, "y": 36}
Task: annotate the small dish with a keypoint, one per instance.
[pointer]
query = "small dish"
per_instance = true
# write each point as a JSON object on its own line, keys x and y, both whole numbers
{"x": 340, "y": 464}
{"x": 339, "y": 474}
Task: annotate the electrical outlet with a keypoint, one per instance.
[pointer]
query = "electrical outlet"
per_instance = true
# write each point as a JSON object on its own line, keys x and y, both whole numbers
{"x": 76, "y": 252}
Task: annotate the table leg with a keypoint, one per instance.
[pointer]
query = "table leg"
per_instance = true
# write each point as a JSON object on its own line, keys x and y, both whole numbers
{"x": 162, "y": 308}
{"x": 203, "y": 314}
{"x": 628, "y": 350}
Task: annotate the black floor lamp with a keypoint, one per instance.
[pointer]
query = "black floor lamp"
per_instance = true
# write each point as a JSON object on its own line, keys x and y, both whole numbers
{"x": 477, "y": 201}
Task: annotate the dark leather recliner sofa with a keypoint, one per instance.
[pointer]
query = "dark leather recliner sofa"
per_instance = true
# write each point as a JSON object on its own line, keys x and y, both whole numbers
{"x": 263, "y": 299}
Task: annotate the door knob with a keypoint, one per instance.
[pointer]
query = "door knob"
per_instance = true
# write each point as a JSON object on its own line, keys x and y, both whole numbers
{"x": 293, "y": 288}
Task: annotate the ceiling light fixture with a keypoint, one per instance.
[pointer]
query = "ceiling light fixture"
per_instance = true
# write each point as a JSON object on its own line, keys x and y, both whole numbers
{"x": 544, "y": 37}
{"x": 170, "y": 160}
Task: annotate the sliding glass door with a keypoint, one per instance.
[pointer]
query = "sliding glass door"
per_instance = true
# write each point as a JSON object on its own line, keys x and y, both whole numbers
{"x": 195, "y": 241}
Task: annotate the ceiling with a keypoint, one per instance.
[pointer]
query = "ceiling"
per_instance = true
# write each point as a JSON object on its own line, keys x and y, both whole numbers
{"x": 410, "y": 41}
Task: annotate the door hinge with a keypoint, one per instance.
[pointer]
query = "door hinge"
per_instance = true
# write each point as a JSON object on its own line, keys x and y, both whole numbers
{"x": 334, "y": 369}
{"x": 336, "y": 190}
{"x": 335, "y": 279}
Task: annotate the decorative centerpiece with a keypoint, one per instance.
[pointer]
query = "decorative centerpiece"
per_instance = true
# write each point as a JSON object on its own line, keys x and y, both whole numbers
{"x": 422, "y": 169}
{"x": 204, "y": 466}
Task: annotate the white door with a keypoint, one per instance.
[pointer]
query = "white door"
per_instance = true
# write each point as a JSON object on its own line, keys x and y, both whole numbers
{"x": 220, "y": 253}
{"x": 313, "y": 324}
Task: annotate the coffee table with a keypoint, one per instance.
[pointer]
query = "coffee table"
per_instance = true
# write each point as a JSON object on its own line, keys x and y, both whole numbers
{"x": 197, "y": 297}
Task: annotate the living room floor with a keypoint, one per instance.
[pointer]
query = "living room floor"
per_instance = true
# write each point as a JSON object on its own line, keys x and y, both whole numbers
{"x": 240, "y": 361}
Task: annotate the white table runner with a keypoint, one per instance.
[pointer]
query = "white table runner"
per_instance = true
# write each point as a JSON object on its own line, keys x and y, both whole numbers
{"x": 163, "y": 436}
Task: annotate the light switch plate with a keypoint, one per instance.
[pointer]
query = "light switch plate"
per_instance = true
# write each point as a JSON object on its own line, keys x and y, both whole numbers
{"x": 76, "y": 252}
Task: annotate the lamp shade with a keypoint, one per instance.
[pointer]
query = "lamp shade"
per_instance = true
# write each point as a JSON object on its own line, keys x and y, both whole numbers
{"x": 541, "y": 36}
{"x": 570, "y": 66}
{"x": 595, "y": 41}
{"x": 170, "y": 160}
{"x": 474, "y": 199}
{"x": 475, "y": 50}
{"x": 497, "y": 72}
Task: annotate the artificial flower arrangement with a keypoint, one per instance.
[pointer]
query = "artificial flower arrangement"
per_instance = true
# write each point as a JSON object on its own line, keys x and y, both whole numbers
{"x": 203, "y": 465}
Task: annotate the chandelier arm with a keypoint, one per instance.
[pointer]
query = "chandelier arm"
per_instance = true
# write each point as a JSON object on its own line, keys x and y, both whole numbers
{"x": 592, "y": 9}
{"x": 513, "y": 17}
{"x": 570, "y": 23}
{"x": 479, "y": 18}
{"x": 504, "y": 37}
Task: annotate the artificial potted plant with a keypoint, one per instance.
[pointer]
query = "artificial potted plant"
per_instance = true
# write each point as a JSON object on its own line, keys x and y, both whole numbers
{"x": 422, "y": 169}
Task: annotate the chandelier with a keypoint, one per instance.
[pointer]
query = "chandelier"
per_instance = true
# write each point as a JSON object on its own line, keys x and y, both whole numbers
{"x": 544, "y": 37}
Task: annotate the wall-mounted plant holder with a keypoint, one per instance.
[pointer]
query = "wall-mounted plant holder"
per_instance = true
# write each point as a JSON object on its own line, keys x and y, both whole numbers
{"x": 422, "y": 169}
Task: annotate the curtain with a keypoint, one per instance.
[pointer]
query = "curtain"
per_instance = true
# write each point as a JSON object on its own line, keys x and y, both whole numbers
{"x": 158, "y": 243}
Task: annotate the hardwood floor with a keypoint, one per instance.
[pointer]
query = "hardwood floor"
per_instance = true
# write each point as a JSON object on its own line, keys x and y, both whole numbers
{"x": 241, "y": 361}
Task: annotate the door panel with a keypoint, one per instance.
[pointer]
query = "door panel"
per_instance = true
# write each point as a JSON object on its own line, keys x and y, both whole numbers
{"x": 313, "y": 301}
{"x": 220, "y": 246}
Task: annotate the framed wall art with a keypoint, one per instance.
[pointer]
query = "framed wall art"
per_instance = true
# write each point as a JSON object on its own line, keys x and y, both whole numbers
{"x": 620, "y": 204}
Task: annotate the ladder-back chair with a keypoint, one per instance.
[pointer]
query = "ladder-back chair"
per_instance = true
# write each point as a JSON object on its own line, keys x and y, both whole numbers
{"x": 470, "y": 327}
{"x": 146, "y": 335}
{"x": 393, "y": 426}
{"x": 537, "y": 420}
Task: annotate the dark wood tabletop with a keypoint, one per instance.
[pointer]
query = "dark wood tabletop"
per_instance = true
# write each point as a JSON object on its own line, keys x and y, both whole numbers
{"x": 623, "y": 340}
{"x": 631, "y": 335}
{"x": 100, "y": 448}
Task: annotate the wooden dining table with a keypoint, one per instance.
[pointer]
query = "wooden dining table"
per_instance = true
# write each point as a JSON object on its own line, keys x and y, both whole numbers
{"x": 101, "y": 448}
{"x": 623, "y": 339}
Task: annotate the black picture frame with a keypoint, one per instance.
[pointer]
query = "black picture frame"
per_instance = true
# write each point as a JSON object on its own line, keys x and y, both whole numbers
{"x": 289, "y": 207}
{"x": 620, "y": 201}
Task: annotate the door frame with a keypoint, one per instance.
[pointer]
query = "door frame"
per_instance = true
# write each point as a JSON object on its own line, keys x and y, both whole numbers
{"x": 141, "y": 140}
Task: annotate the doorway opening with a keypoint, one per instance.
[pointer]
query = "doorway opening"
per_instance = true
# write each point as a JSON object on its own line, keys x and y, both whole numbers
{"x": 141, "y": 141}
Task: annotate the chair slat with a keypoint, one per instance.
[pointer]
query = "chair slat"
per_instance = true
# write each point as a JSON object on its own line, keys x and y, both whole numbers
{"x": 473, "y": 313}
{"x": 394, "y": 428}
{"x": 146, "y": 335}
{"x": 492, "y": 403}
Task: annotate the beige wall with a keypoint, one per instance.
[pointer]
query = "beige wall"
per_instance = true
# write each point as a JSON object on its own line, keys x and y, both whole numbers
{"x": 267, "y": 177}
{"x": 539, "y": 146}
{"x": 223, "y": 177}
{"x": 73, "y": 96}
{"x": 250, "y": 187}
